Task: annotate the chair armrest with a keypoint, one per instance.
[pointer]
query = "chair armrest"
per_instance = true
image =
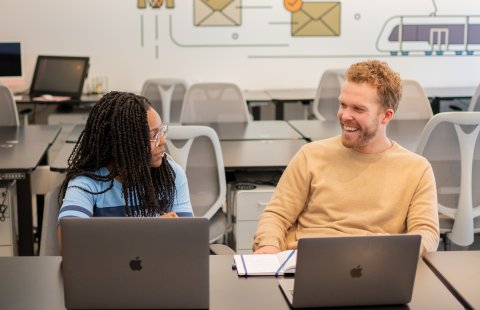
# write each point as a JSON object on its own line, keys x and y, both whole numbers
{"x": 220, "y": 249}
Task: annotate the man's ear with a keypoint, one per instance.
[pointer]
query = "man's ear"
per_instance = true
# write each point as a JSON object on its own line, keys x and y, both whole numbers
{"x": 387, "y": 116}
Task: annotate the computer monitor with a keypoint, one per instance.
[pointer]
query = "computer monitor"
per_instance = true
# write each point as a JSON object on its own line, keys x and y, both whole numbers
{"x": 10, "y": 59}
{"x": 59, "y": 76}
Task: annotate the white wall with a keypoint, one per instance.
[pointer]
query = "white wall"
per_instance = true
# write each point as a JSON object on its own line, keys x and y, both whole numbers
{"x": 109, "y": 32}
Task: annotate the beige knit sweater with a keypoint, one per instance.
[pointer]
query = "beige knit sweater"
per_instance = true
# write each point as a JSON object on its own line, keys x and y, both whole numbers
{"x": 330, "y": 190}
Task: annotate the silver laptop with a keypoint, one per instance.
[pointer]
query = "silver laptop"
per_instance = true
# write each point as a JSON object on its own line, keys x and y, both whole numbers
{"x": 353, "y": 271}
{"x": 135, "y": 263}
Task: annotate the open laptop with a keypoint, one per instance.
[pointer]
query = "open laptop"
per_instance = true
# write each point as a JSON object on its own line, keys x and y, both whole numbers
{"x": 353, "y": 271}
{"x": 135, "y": 263}
{"x": 59, "y": 76}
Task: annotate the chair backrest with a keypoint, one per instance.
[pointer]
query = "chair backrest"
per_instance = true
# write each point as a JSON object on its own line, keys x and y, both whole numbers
{"x": 450, "y": 141}
{"x": 214, "y": 102}
{"x": 325, "y": 104}
{"x": 197, "y": 149}
{"x": 166, "y": 96}
{"x": 474, "y": 104}
{"x": 414, "y": 103}
{"x": 8, "y": 106}
{"x": 49, "y": 244}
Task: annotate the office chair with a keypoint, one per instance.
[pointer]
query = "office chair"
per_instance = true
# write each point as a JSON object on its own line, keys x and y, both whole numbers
{"x": 214, "y": 102}
{"x": 197, "y": 150}
{"x": 414, "y": 103}
{"x": 166, "y": 96}
{"x": 325, "y": 104}
{"x": 49, "y": 244}
{"x": 9, "y": 115}
{"x": 474, "y": 104}
{"x": 450, "y": 143}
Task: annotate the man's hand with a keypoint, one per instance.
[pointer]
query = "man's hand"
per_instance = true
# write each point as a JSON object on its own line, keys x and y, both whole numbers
{"x": 267, "y": 249}
{"x": 169, "y": 215}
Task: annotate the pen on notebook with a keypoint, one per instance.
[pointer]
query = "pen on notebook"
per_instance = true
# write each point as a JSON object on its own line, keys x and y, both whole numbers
{"x": 283, "y": 264}
{"x": 244, "y": 265}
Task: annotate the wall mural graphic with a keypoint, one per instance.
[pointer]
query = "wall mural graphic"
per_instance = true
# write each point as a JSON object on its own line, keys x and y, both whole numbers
{"x": 401, "y": 35}
{"x": 435, "y": 34}
{"x": 221, "y": 13}
{"x": 316, "y": 19}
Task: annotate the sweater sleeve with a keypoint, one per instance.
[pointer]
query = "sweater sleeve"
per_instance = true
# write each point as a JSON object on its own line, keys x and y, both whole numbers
{"x": 422, "y": 217}
{"x": 288, "y": 201}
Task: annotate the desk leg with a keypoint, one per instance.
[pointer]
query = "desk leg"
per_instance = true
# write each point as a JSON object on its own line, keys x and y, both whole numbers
{"x": 279, "y": 110}
{"x": 25, "y": 221}
{"x": 256, "y": 113}
{"x": 435, "y": 103}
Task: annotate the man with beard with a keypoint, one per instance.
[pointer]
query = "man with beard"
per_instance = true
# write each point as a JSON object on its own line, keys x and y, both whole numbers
{"x": 359, "y": 183}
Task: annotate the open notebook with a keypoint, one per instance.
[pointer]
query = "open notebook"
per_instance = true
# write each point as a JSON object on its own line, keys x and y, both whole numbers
{"x": 279, "y": 264}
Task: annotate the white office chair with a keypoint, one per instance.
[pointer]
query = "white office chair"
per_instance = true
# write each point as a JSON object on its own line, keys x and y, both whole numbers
{"x": 9, "y": 115}
{"x": 166, "y": 96}
{"x": 474, "y": 104}
{"x": 49, "y": 244}
{"x": 450, "y": 142}
{"x": 197, "y": 149}
{"x": 325, "y": 104}
{"x": 214, "y": 102}
{"x": 414, "y": 103}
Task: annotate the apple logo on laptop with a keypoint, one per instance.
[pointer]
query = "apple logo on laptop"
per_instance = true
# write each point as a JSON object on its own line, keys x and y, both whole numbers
{"x": 356, "y": 272}
{"x": 136, "y": 264}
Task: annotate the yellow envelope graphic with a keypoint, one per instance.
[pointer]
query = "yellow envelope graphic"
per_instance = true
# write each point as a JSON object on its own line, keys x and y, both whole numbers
{"x": 317, "y": 19}
{"x": 217, "y": 12}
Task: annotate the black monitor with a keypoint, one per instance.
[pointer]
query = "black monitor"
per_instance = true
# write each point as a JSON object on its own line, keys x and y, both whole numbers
{"x": 59, "y": 76}
{"x": 10, "y": 59}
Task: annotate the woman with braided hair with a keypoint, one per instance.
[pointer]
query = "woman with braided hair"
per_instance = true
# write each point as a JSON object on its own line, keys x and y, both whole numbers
{"x": 119, "y": 166}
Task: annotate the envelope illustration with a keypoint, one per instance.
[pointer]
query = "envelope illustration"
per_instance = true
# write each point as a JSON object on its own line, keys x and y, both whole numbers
{"x": 317, "y": 19}
{"x": 217, "y": 12}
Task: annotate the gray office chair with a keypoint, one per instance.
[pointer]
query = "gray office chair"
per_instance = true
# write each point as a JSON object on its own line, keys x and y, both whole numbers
{"x": 9, "y": 115}
{"x": 474, "y": 104}
{"x": 197, "y": 149}
{"x": 414, "y": 103}
{"x": 49, "y": 244}
{"x": 166, "y": 96}
{"x": 450, "y": 141}
{"x": 214, "y": 102}
{"x": 325, "y": 104}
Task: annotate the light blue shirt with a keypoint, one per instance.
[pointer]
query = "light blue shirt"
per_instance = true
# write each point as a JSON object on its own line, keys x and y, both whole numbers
{"x": 78, "y": 203}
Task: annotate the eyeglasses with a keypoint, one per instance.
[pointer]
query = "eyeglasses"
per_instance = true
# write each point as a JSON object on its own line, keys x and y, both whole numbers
{"x": 162, "y": 132}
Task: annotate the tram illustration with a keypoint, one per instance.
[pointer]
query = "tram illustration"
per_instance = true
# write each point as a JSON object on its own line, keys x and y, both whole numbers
{"x": 430, "y": 35}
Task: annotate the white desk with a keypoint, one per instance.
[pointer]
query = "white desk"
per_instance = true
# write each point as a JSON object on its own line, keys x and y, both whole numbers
{"x": 256, "y": 130}
{"x": 450, "y": 92}
{"x": 404, "y": 132}
{"x": 255, "y": 99}
{"x": 460, "y": 271}
{"x": 282, "y": 96}
{"x": 36, "y": 283}
{"x": 438, "y": 94}
{"x": 264, "y": 154}
{"x": 21, "y": 151}
{"x": 256, "y": 95}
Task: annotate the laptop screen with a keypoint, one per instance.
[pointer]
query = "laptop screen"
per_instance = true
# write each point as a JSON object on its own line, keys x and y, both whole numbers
{"x": 59, "y": 76}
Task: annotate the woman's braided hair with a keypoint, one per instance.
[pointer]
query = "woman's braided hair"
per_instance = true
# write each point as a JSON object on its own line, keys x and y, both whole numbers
{"x": 117, "y": 136}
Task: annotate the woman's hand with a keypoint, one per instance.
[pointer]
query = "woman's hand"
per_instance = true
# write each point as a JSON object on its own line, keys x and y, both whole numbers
{"x": 169, "y": 215}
